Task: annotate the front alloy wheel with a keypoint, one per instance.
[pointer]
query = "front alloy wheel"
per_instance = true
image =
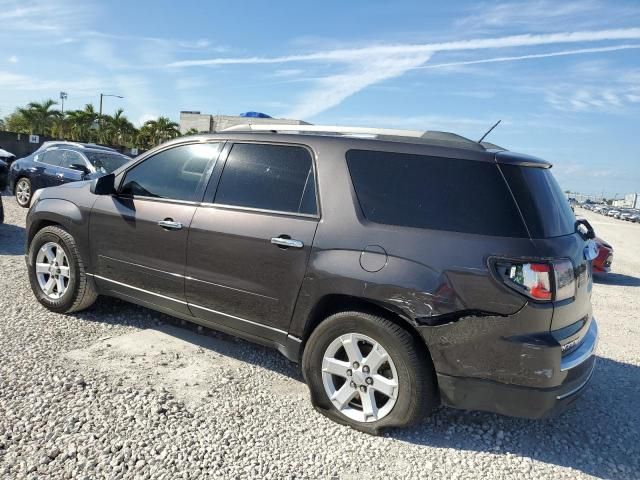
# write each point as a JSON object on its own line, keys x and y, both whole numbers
{"x": 52, "y": 270}
{"x": 57, "y": 273}
{"x": 23, "y": 192}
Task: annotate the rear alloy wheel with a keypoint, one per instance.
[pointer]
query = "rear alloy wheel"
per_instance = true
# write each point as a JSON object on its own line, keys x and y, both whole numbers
{"x": 360, "y": 378}
{"x": 23, "y": 192}
{"x": 368, "y": 372}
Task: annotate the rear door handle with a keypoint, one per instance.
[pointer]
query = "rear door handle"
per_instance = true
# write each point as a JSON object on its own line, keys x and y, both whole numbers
{"x": 169, "y": 224}
{"x": 287, "y": 242}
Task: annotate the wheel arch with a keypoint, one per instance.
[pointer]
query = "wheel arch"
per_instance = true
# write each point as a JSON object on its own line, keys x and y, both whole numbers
{"x": 334, "y": 303}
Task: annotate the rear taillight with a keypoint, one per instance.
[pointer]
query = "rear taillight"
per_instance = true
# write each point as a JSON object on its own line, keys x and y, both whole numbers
{"x": 541, "y": 281}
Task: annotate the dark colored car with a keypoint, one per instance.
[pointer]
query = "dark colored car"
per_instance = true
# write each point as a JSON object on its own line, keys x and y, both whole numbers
{"x": 602, "y": 263}
{"x": 401, "y": 270}
{"x": 6, "y": 157}
{"x": 4, "y": 176}
{"x": 58, "y": 163}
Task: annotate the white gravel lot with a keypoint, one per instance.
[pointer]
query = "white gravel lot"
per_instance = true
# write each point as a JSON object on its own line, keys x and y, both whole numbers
{"x": 119, "y": 391}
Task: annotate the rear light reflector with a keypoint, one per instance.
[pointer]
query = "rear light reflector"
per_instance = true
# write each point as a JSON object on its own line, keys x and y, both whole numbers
{"x": 540, "y": 281}
{"x": 565, "y": 280}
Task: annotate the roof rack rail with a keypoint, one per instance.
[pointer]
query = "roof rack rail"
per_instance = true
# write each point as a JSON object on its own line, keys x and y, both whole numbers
{"x": 327, "y": 129}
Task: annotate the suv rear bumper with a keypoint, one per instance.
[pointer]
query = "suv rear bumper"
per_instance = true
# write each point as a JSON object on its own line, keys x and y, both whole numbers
{"x": 521, "y": 401}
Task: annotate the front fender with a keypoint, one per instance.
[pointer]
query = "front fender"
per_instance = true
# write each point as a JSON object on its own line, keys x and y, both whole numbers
{"x": 55, "y": 211}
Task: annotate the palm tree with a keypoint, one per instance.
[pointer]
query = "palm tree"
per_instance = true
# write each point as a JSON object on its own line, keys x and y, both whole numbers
{"x": 154, "y": 132}
{"x": 40, "y": 116}
{"x": 81, "y": 124}
{"x": 117, "y": 129}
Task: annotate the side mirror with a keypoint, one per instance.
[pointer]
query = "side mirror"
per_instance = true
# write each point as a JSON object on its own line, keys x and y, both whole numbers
{"x": 80, "y": 167}
{"x": 104, "y": 185}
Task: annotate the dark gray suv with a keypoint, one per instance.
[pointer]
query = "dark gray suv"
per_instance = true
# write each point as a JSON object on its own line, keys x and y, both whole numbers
{"x": 401, "y": 269}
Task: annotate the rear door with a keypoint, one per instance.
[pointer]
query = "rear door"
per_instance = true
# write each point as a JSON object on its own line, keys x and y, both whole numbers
{"x": 47, "y": 172}
{"x": 249, "y": 246}
{"x": 139, "y": 235}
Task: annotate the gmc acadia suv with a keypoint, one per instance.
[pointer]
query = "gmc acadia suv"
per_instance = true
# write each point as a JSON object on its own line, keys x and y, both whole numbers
{"x": 401, "y": 269}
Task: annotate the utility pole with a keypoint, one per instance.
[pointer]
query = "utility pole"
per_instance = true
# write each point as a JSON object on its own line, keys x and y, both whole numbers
{"x": 63, "y": 97}
{"x": 100, "y": 114}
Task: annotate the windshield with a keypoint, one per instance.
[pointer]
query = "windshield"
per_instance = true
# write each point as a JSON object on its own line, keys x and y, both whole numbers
{"x": 543, "y": 204}
{"x": 106, "y": 162}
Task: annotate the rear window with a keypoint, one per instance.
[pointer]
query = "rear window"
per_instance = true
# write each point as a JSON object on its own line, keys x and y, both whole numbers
{"x": 541, "y": 201}
{"x": 434, "y": 192}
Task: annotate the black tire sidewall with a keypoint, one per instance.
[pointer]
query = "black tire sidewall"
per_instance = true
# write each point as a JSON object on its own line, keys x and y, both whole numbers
{"x": 24, "y": 179}
{"x": 64, "y": 303}
{"x": 365, "y": 324}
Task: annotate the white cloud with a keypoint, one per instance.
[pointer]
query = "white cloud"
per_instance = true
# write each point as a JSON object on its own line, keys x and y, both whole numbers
{"x": 145, "y": 117}
{"x": 545, "y": 15}
{"x": 13, "y": 59}
{"x": 562, "y": 53}
{"x": 359, "y": 54}
{"x": 525, "y": 13}
{"x": 333, "y": 89}
{"x": 288, "y": 72}
{"x": 369, "y": 65}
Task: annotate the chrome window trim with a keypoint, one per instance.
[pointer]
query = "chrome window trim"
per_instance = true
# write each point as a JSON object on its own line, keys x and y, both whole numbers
{"x": 158, "y": 199}
{"x": 225, "y": 206}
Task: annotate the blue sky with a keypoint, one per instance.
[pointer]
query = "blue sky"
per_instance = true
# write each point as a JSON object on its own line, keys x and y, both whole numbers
{"x": 564, "y": 77}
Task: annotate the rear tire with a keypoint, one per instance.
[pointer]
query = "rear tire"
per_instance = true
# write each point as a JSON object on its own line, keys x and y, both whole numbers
{"x": 23, "y": 192}
{"x": 57, "y": 273}
{"x": 407, "y": 379}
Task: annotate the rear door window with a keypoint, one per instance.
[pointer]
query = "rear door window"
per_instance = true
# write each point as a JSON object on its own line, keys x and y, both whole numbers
{"x": 435, "y": 193}
{"x": 52, "y": 157}
{"x": 269, "y": 177}
{"x": 541, "y": 200}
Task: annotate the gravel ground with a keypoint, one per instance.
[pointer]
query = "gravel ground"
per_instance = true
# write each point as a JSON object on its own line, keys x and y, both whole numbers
{"x": 123, "y": 392}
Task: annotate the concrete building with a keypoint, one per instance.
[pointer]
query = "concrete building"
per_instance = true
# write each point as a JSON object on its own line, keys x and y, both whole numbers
{"x": 203, "y": 122}
{"x": 632, "y": 200}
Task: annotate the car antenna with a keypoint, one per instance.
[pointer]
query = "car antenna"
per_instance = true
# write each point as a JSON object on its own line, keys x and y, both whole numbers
{"x": 489, "y": 131}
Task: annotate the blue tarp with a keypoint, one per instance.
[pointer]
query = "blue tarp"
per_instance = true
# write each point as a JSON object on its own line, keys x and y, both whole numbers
{"x": 255, "y": 115}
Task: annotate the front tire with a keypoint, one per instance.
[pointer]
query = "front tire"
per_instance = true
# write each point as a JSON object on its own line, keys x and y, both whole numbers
{"x": 369, "y": 373}
{"x": 57, "y": 273}
{"x": 23, "y": 192}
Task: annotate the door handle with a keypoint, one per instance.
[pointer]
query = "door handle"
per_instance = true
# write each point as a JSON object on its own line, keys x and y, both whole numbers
{"x": 284, "y": 242}
{"x": 169, "y": 224}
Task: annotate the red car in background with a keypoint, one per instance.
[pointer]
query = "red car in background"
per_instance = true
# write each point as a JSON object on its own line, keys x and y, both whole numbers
{"x": 602, "y": 263}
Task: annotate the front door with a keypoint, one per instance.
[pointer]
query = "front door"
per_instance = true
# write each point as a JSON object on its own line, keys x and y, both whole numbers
{"x": 248, "y": 248}
{"x": 139, "y": 235}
